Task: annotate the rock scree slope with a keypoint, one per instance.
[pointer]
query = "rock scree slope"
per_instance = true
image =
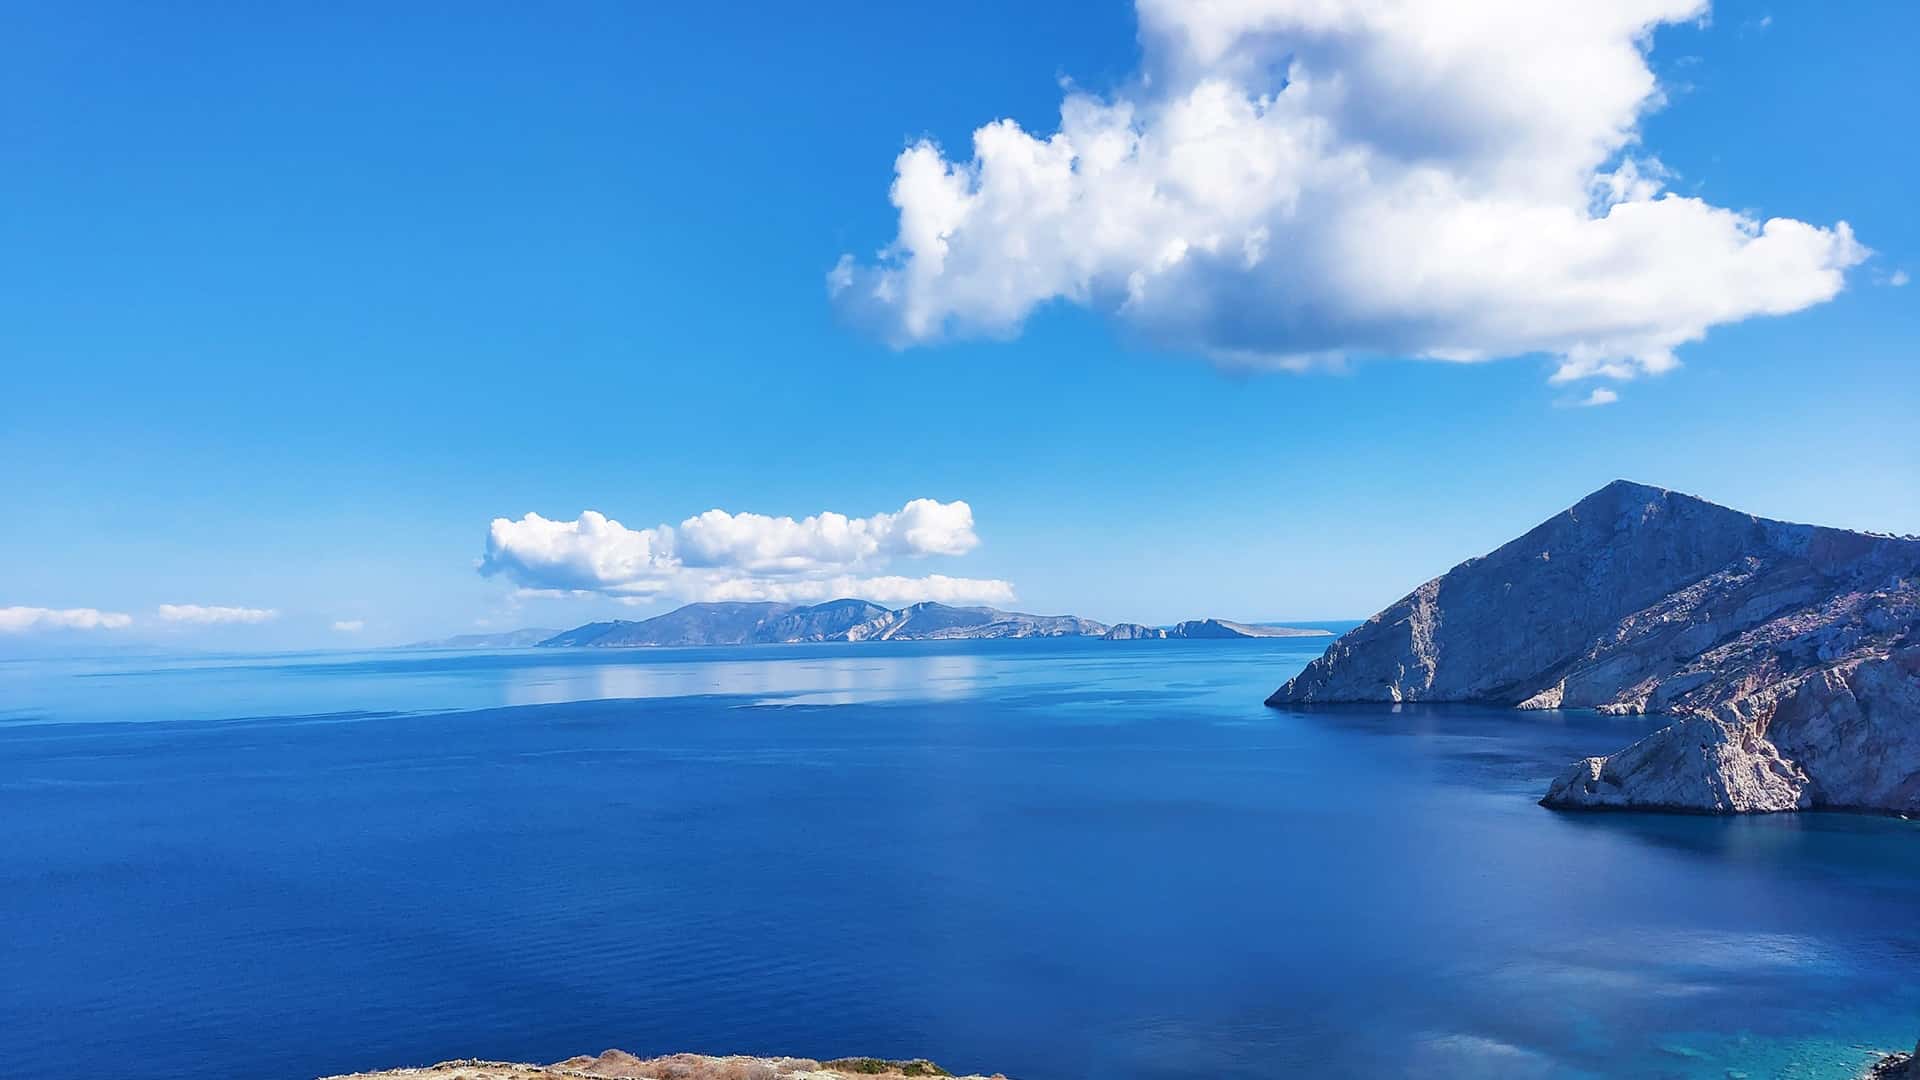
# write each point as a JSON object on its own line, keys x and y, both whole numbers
{"x": 1788, "y": 654}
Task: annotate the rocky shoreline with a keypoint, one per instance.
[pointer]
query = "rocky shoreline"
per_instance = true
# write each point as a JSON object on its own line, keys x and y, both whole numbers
{"x": 1897, "y": 1066}
{"x": 620, "y": 1065}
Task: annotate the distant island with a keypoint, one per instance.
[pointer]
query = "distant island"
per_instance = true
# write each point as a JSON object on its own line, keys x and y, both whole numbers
{"x": 765, "y": 623}
{"x": 505, "y": 639}
{"x": 1207, "y": 628}
{"x": 846, "y": 620}
{"x": 1788, "y": 654}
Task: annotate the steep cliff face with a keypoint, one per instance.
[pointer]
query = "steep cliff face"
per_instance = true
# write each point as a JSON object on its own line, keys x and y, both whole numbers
{"x": 1787, "y": 649}
{"x": 1846, "y": 736}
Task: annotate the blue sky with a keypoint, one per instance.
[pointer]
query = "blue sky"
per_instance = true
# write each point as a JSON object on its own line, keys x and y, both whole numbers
{"x": 295, "y": 302}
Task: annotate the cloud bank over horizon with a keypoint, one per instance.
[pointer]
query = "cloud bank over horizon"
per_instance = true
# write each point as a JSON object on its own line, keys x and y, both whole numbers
{"x": 171, "y": 619}
{"x": 1294, "y": 183}
{"x": 20, "y": 620}
{"x": 214, "y": 614}
{"x": 719, "y": 555}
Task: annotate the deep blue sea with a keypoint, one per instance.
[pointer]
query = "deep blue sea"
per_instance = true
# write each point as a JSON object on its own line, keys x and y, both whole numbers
{"x": 1060, "y": 860}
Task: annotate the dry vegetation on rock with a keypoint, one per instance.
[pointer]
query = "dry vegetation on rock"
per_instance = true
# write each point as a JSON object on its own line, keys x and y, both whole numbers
{"x": 619, "y": 1065}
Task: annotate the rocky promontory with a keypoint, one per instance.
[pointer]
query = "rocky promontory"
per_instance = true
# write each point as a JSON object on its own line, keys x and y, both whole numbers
{"x": 1208, "y": 629}
{"x": 1788, "y": 654}
{"x": 619, "y": 1065}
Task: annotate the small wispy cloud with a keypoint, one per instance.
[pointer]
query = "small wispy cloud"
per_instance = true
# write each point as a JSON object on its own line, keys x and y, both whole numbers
{"x": 1898, "y": 278}
{"x": 213, "y": 614}
{"x": 1598, "y": 396}
{"x": 349, "y": 626}
{"x": 19, "y": 620}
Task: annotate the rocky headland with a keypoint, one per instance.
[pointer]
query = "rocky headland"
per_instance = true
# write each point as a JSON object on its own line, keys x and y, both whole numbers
{"x": 1789, "y": 655}
{"x": 619, "y": 1065}
{"x": 1211, "y": 629}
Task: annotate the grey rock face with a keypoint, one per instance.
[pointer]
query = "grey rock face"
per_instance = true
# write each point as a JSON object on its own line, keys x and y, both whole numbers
{"x": 820, "y": 622}
{"x": 1133, "y": 631}
{"x": 1697, "y": 764}
{"x": 938, "y": 622}
{"x": 1789, "y": 651}
{"x": 1841, "y": 737}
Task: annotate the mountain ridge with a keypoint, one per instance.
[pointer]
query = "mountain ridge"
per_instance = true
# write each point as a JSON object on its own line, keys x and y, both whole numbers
{"x": 851, "y": 620}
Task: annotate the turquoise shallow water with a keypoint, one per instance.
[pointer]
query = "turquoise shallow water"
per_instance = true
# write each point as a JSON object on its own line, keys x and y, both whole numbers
{"x": 1055, "y": 859}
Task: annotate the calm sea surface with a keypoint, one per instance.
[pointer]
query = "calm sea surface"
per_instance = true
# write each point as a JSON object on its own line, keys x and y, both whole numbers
{"x": 1053, "y": 859}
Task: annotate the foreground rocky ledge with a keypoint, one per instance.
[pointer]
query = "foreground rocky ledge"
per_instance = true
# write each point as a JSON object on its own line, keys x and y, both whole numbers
{"x": 618, "y": 1064}
{"x": 625, "y": 1066}
{"x": 1789, "y": 654}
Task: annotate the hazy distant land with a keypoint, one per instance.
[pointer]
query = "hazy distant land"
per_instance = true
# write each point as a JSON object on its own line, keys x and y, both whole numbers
{"x": 767, "y": 623}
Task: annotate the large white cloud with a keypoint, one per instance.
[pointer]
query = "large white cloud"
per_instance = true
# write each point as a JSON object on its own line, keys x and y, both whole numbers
{"x": 590, "y": 553}
{"x": 1292, "y": 182}
{"x": 212, "y": 614}
{"x": 823, "y": 541}
{"x": 19, "y": 620}
{"x": 726, "y": 556}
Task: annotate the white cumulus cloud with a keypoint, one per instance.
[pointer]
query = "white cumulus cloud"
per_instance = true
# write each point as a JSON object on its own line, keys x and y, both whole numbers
{"x": 19, "y": 620}
{"x": 207, "y": 615}
{"x": 720, "y": 555}
{"x": 885, "y": 589}
{"x": 1599, "y": 395}
{"x": 1294, "y": 182}
{"x": 350, "y": 626}
{"x": 761, "y": 543}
